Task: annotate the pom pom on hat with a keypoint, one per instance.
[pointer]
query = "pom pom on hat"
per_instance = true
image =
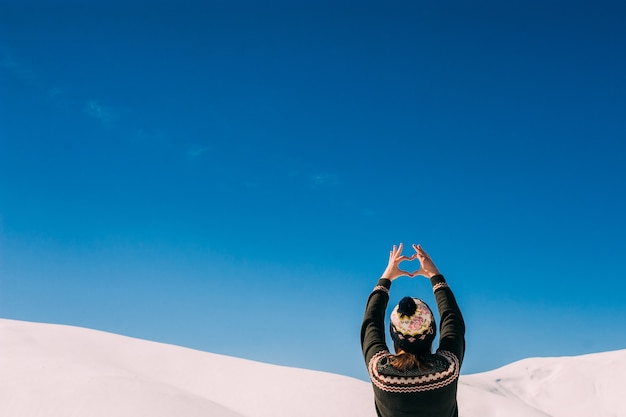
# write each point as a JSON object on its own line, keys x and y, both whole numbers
{"x": 407, "y": 307}
{"x": 413, "y": 325}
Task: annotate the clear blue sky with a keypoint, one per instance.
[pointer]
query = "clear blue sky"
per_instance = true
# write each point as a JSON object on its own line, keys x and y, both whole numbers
{"x": 231, "y": 176}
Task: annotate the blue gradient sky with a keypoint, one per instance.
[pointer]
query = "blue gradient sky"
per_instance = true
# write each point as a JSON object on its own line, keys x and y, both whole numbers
{"x": 230, "y": 177}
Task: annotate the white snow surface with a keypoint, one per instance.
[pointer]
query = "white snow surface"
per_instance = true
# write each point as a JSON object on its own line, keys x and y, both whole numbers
{"x": 49, "y": 370}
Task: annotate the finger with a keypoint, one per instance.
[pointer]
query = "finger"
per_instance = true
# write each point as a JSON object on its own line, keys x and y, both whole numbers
{"x": 397, "y": 251}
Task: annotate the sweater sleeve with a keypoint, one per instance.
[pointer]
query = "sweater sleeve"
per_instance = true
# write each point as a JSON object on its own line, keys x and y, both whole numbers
{"x": 373, "y": 327}
{"x": 452, "y": 326}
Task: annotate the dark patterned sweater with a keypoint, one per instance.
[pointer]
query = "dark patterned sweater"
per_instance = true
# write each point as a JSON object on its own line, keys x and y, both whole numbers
{"x": 430, "y": 391}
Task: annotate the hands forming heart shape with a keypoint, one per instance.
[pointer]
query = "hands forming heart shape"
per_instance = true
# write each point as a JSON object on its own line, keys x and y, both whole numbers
{"x": 393, "y": 271}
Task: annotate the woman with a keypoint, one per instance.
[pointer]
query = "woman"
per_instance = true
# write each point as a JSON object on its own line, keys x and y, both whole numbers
{"x": 413, "y": 382}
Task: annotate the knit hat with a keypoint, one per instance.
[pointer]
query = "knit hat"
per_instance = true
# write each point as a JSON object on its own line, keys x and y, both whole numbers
{"x": 413, "y": 325}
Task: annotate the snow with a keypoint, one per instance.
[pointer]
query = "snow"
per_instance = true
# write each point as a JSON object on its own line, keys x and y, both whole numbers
{"x": 51, "y": 370}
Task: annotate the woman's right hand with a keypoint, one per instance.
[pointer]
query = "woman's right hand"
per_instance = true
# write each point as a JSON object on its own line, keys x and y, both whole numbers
{"x": 427, "y": 266}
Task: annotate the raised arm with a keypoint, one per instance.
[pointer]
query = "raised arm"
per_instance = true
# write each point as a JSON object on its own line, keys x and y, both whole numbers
{"x": 373, "y": 326}
{"x": 452, "y": 326}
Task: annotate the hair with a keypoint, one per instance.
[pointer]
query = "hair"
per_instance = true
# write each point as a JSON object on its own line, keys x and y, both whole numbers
{"x": 404, "y": 360}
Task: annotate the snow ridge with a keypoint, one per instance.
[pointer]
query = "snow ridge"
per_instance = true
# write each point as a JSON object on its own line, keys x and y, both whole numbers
{"x": 51, "y": 370}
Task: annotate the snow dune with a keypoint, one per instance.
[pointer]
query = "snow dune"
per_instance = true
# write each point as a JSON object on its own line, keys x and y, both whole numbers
{"x": 589, "y": 385}
{"x": 61, "y": 371}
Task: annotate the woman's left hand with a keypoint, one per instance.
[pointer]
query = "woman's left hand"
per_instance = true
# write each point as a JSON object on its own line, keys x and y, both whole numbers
{"x": 393, "y": 270}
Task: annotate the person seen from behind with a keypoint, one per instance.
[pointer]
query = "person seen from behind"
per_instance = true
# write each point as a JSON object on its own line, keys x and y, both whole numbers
{"x": 413, "y": 382}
